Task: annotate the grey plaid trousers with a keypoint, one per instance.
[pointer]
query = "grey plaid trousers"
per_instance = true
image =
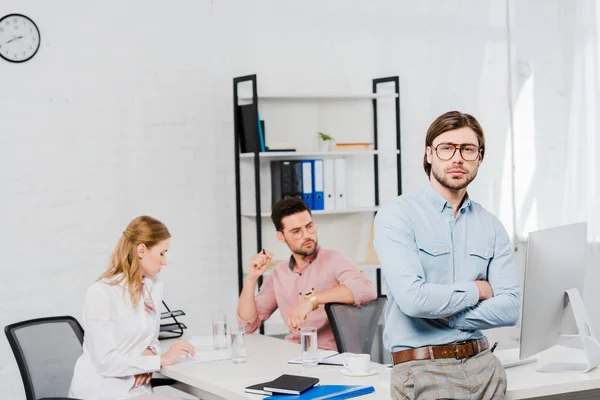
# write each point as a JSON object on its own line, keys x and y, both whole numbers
{"x": 480, "y": 377}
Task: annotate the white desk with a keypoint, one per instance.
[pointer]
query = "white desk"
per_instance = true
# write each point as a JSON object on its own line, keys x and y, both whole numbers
{"x": 524, "y": 382}
{"x": 267, "y": 359}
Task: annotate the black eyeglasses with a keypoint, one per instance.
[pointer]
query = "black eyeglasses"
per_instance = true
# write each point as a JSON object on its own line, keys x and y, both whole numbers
{"x": 445, "y": 151}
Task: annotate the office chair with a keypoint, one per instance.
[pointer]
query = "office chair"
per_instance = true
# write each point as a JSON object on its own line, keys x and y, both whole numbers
{"x": 354, "y": 328}
{"x": 46, "y": 350}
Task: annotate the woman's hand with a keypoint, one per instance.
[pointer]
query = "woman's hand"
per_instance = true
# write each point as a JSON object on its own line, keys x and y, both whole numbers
{"x": 142, "y": 379}
{"x": 178, "y": 348}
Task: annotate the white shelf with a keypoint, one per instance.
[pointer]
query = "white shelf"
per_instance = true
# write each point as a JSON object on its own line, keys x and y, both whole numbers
{"x": 321, "y": 96}
{"x": 315, "y": 154}
{"x": 322, "y": 212}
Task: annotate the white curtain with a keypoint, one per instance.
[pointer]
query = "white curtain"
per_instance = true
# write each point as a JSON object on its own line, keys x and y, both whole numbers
{"x": 555, "y": 76}
{"x": 582, "y": 191}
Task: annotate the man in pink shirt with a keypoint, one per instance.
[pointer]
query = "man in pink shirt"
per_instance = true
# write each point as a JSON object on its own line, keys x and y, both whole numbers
{"x": 313, "y": 276}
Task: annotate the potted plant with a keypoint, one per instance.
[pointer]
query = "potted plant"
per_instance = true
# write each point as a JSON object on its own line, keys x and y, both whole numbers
{"x": 326, "y": 142}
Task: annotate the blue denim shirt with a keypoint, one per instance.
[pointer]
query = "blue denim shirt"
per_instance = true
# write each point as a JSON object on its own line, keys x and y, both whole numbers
{"x": 430, "y": 260}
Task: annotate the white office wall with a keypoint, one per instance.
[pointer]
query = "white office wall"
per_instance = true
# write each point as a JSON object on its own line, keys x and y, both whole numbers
{"x": 127, "y": 110}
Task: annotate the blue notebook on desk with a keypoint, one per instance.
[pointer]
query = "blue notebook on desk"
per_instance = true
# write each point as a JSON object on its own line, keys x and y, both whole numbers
{"x": 322, "y": 392}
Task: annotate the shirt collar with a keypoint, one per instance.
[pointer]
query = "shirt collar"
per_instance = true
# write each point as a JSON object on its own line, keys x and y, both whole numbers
{"x": 440, "y": 203}
{"x": 307, "y": 260}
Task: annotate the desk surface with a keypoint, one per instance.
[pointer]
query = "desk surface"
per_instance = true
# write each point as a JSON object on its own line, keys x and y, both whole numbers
{"x": 267, "y": 359}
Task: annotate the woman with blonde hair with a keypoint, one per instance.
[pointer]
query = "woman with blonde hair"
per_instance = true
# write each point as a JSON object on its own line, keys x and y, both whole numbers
{"x": 121, "y": 319}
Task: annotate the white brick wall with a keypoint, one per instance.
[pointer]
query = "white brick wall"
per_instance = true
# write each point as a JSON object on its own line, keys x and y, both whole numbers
{"x": 127, "y": 110}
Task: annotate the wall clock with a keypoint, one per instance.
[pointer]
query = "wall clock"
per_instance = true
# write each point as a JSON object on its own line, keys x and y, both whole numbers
{"x": 19, "y": 38}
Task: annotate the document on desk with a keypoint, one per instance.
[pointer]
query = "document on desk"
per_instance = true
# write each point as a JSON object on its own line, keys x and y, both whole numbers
{"x": 325, "y": 357}
{"x": 204, "y": 351}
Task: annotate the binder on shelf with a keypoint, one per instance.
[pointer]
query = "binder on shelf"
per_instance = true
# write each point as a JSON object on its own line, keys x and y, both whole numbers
{"x": 317, "y": 180}
{"x": 261, "y": 131}
{"x": 249, "y": 135}
{"x": 340, "y": 183}
{"x": 328, "y": 185}
{"x": 296, "y": 179}
{"x": 286, "y": 180}
{"x": 307, "y": 185}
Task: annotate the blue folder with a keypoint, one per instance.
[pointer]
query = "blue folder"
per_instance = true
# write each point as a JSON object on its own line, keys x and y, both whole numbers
{"x": 322, "y": 392}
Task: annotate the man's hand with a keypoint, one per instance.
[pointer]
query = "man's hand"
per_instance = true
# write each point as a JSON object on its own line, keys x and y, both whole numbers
{"x": 258, "y": 264}
{"x": 485, "y": 290}
{"x": 297, "y": 316}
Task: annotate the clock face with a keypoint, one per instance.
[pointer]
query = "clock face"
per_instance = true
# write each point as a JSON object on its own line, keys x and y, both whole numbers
{"x": 19, "y": 38}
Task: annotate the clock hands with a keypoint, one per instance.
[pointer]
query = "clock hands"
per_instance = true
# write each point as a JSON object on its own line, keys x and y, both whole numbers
{"x": 13, "y": 39}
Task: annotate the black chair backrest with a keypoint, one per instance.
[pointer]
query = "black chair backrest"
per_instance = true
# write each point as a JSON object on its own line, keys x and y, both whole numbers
{"x": 354, "y": 328}
{"x": 46, "y": 350}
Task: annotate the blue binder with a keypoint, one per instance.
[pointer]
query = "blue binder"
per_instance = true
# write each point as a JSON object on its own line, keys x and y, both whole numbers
{"x": 318, "y": 183}
{"x": 322, "y": 392}
{"x": 307, "y": 183}
{"x": 261, "y": 134}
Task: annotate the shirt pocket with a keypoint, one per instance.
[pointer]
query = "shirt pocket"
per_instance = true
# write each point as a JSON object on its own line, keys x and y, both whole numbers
{"x": 479, "y": 259}
{"x": 436, "y": 261}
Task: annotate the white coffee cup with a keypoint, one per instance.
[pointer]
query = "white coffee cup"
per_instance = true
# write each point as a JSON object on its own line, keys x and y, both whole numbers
{"x": 357, "y": 363}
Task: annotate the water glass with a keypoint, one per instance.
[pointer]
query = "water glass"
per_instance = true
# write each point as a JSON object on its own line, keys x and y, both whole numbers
{"x": 238, "y": 344}
{"x": 308, "y": 343}
{"x": 220, "y": 338}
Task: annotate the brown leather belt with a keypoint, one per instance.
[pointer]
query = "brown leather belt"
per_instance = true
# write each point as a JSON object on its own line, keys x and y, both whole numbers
{"x": 458, "y": 350}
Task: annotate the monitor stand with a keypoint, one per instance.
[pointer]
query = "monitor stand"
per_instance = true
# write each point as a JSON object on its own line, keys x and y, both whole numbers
{"x": 585, "y": 340}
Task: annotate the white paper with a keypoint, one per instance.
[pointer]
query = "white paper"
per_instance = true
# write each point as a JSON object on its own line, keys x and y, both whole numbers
{"x": 205, "y": 356}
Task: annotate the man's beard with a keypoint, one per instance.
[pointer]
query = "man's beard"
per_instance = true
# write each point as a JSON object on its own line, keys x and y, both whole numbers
{"x": 305, "y": 253}
{"x": 453, "y": 184}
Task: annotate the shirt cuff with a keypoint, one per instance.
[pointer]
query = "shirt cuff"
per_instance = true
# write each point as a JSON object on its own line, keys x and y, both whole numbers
{"x": 471, "y": 291}
{"x": 251, "y": 325}
{"x": 361, "y": 291}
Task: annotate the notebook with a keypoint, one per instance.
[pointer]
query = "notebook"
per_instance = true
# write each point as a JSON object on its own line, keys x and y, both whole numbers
{"x": 322, "y": 392}
{"x": 291, "y": 384}
{"x": 324, "y": 357}
{"x": 259, "y": 388}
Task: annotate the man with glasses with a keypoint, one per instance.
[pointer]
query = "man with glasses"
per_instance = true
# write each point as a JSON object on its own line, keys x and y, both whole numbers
{"x": 449, "y": 268}
{"x": 312, "y": 276}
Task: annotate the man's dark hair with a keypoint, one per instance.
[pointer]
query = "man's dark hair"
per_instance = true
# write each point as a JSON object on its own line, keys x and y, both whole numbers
{"x": 286, "y": 207}
{"x": 450, "y": 121}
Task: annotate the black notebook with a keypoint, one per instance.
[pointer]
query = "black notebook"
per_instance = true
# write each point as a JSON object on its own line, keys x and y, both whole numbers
{"x": 291, "y": 384}
{"x": 259, "y": 389}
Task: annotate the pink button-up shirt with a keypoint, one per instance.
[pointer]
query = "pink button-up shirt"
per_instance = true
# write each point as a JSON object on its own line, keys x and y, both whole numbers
{"x": 285, "y": 288}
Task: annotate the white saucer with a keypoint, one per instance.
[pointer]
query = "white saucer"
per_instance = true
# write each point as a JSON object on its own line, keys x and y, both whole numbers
{"x": 347, "y": 372}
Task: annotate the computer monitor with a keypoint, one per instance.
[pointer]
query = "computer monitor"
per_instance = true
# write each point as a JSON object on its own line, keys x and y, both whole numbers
{"x": 554, "y": 276}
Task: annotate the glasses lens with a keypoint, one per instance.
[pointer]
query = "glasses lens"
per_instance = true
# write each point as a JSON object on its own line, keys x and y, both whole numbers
{"x": 445, "y": 151}
{"x": 469, "y": 152}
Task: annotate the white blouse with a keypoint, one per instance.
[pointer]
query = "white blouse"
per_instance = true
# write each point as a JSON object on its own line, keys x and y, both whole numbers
{"x": 116, "y": 335}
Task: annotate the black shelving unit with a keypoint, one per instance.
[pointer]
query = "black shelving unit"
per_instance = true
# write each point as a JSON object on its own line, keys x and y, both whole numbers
{"x": 238, "y": 126}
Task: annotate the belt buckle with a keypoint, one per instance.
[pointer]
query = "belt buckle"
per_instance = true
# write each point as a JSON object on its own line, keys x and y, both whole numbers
{"x": 455, "y": 344}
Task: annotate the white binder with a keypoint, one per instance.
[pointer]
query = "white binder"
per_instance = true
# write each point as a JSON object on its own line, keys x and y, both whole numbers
{"x": 328, "y": 184}
{"x": 340, "y": 183}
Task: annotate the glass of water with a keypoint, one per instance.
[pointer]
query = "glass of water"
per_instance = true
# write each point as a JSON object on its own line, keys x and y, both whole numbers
{"x": 308, "y": 342}
{"x": 238, "y": 344}
{"x": 220, "y": 338}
